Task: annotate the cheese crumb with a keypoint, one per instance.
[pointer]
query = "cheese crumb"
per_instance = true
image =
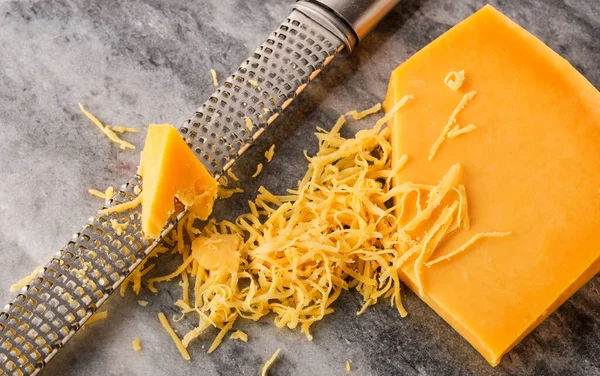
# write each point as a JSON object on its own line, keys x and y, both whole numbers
{"x": 107, "y": 131}
{"x": 454, "y": 80}
{"x": 369, "y": 111}
{"x": 136, "y": 345}
{"x": 258, "y": 170}
{"x": 269, "y": 363}
{"x": 143, "y": 303}
{"x": 213, "y": 74}
{"x": 109, "y": 193}
{"x": 270, "y": 153}
{"x": 118, "y": 227}
{"x": 348, "y": 368}
{"x": 239, "y": 335}
{"x": 226, "y": 193}
{"x": 249, "y": 123}
{"x": 25, "y": 281}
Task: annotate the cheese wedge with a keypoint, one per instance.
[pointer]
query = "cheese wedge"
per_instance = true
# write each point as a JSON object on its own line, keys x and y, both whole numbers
{"x": 170, "y": 170}
{"x": 530, "y": 166}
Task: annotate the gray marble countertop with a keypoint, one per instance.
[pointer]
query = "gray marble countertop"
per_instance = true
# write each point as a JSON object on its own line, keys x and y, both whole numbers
{"x": 147, "y": 61}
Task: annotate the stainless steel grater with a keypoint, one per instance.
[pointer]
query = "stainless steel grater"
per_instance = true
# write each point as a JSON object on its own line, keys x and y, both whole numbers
{"x": 81, "y": 276}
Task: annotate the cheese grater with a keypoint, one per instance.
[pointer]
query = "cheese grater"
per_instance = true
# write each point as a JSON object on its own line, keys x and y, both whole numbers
{"x": 81, "y": 276}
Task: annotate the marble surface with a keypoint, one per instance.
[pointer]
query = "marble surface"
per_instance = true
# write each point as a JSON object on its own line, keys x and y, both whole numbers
{"x": 136, "y": 62}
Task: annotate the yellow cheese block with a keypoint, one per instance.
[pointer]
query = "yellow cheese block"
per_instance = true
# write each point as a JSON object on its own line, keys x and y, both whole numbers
{"x": 170, "y": 170}
{"x": 531, "y": 166}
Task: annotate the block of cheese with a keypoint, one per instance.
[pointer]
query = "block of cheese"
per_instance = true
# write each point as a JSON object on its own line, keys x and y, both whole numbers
{"x": 530, "y": 164}
{"x": 170, "y": 170}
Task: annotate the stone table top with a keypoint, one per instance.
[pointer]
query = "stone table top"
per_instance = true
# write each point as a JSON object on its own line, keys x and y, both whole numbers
{"x": 147, "y": 61}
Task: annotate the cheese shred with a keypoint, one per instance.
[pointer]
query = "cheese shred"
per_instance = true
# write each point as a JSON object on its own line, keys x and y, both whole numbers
{"x": 25, "y": 281}
{"x": 213, "y": 74}
{"x": 269, "y": 363}
{"x": 454, "y": 80}
{"x": 270, "y": 153}
{"x": 96, "y": 317}
{"x": 258, "y": 170}
{"x": 165, "y": 323}
{"x": 122, "y": 207}
{"x": 451, "y": 121}
{"x": 106, "y": 130}
{"x": 470, "y": 242}
{"x": 239, "y": 335}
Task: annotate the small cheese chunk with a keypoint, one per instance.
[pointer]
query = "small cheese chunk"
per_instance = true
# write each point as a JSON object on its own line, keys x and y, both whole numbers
{"x": 217, "y": 252}
{"x": 172, "y": 170}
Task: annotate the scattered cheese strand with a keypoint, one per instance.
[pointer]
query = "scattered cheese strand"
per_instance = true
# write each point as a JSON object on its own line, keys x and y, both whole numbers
{"x": 239, "y": 335}
{"x": 258, "y": 170}
{"x": 213, "y": 74}
{"x": 122, "y": 207}
{"x": 220, "y": 336}
{"x": 454, "y": 80}
{"x": 269, "y": 363}
{"x": 270, "y": 153}
{"x": 97, "y": 193}
{"x": 165, "y": 323}
{"x": 359, "y": 115}
{"x": 457, "y": 130}
{"x": 463, "y": 247}
{"x": 348, "y": 368}
{"x": 107, "y": 131}
{"x": 451, "y": 121}
{"x": 96, "y": 317}
{"x": 253, "y": 83}
{"x": 388, "y": 116}
{"x": 226, "y": 193}
{"x": 25, "y": 281}
{"x": 232, "y": 175}
{"x": 121, "y": 129}
{"x": 136, "y": 345}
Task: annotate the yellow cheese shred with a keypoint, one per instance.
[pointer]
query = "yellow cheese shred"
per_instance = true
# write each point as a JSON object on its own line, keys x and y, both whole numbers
{"x": 270, "y": 362}
{"x": 118, "y": 227}
{"x": 226, "y": 193}
{"x": 258, "y": 170}
{"x": 109, "y": 193}
{"x": 122, "y": 207}
{"x": 451, "y": 121}
{"x": 457, "y": 130}
{"x": 348, "y": 367}
{"x": 96, "y": 317}
{"x": 136, "y": 344}
{"x": 470, "y": 242}
{"x": 122, "y": 129}
{"x": 220, "y": 336}
{"x": 239, "y": 335}
{"x": 232, "y": 175}
{"x": 97, "y": 193}
{"x": 165, "y": 323}
{"x": 107, "y": 131}
{"x": 454, "y": 80}
{"x": 369, "y": 111}
{"x": 26, "y": 280}
{"x": 270, "y": 153}
{"x": 213, "y": 74}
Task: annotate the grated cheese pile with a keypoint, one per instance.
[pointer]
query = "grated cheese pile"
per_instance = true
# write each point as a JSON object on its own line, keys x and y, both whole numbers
{"x": 344, "y": 227}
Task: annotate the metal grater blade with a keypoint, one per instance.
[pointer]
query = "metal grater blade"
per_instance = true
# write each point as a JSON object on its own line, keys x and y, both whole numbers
{"x": 81, "y": 276}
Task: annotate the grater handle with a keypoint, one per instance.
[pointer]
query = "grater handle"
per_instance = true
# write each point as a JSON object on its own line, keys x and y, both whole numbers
{"x": 355, "y": 18}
